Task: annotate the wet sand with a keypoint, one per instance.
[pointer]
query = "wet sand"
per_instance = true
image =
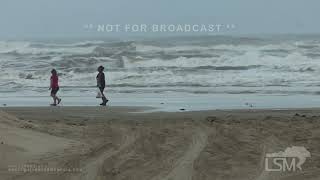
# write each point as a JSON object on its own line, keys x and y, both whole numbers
{"x": 97, "y": 143}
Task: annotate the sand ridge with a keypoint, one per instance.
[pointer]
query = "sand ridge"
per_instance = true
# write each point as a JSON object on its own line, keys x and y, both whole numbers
{"x": 183, "y": 167}
{"x": 118, "y": 145}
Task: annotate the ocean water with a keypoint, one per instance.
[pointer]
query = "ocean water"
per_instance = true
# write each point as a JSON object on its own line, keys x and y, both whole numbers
{"x": 206, "y": 66}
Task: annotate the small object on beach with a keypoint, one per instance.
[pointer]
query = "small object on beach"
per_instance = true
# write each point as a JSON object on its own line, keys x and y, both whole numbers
{"x": 114, "y": 172}
{"x": 27, "y": 126}
{"x": 4, "y": 105}
{"x": 268, "y": 117}
{"x": 182, "y": 109}
{"x": 303, "y": 115}
{"x": 211, "y": 119}
{"x": 2, "y": 142}
{"x": 249, "y": 104}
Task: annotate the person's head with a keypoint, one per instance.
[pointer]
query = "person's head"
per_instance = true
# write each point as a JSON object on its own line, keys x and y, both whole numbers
{"x": 100, "y": 69}
{"x": 54, "y": 72}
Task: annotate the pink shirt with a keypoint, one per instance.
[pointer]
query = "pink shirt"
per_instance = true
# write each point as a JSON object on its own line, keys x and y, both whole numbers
{"x": 54, "y": 81}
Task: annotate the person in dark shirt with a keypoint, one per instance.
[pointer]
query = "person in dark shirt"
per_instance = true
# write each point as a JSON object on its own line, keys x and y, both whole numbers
{"x": 101, "y": 84}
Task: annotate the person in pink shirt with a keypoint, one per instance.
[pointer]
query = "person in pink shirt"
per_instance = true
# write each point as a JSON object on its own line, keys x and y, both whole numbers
{"x": 54, "y": 87}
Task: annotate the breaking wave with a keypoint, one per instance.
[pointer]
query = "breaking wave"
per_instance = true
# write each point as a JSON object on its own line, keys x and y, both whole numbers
{"x": 175, "y": 64}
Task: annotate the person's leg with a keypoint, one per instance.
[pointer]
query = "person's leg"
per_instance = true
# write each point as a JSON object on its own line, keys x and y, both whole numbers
{"x": 104, "y": 99}
{"x": 54, "y": 98}
{"x": 57, "y": 98}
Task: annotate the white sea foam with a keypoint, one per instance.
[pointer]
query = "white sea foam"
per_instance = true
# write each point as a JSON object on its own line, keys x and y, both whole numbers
{"x": 16, "y": 47}
{"x": 284, "y": 64}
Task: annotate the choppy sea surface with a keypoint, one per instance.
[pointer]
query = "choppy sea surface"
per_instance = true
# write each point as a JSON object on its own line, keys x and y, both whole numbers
{"x": 190, "y": 66}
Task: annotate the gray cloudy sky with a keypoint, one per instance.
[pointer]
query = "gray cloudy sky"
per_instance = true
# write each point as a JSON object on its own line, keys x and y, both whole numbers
{"x": 25, "y": 18}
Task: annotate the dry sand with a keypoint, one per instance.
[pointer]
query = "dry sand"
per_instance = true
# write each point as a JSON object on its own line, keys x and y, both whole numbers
{"x": 119, "y": 144}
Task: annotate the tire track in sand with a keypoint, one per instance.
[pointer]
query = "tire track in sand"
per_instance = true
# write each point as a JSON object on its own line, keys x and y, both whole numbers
{"x": 91, "y": 170}
{"x": 183, "y": 168}
{"x": 270, "y": 145}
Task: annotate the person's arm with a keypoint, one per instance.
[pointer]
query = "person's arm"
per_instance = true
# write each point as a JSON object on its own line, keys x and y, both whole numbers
{"x": 98, "y": 80}
{"x": 103, "y": 80}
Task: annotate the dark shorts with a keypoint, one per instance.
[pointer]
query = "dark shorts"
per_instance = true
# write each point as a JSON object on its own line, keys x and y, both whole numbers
{"x": 54, "y": 90}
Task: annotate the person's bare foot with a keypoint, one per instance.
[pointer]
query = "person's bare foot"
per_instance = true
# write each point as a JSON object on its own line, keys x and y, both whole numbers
{"x": 59, "y": 100}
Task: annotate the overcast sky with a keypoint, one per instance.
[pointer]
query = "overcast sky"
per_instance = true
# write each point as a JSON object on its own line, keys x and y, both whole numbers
{"x": 25, "y": 18}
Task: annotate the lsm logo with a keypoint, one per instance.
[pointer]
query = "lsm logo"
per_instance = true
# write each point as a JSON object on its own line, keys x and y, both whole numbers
{"x": 289, "y": 160}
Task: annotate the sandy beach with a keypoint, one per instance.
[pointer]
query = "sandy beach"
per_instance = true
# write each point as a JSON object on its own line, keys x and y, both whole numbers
{"x": 118, "y": 143}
